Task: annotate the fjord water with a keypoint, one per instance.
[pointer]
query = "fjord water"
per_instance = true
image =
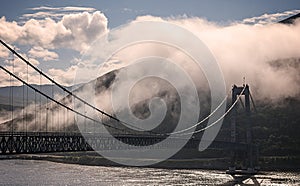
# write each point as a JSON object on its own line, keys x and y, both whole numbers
{"x": 34, "y": 172}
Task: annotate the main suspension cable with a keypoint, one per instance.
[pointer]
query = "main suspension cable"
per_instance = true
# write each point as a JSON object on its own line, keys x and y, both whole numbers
{"x": 57, "y": 102}
{"x": 63, "y": 88}
{"x": 200, "y": 122}
{"x": 215, "y": 122}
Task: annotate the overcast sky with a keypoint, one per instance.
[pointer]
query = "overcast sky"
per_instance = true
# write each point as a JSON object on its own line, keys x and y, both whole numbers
{"x": 52, "y": 33}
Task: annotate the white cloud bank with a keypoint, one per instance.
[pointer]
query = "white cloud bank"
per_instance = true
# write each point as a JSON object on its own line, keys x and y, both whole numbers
{"x": 44, "y": 54}
{"x": 75, "y": 31}
{"x": 242, "y": 50}
{"x": 266, "y": 54}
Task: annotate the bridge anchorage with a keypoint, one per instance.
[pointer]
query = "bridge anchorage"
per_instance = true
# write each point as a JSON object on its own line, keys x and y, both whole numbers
{"x": 245, "y": 158}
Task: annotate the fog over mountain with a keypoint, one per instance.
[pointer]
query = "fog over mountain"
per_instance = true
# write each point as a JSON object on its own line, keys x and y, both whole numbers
{"x": 267, "y": 55}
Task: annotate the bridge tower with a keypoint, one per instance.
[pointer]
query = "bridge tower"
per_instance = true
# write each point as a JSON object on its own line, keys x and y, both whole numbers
{"x": 236, "y": 93}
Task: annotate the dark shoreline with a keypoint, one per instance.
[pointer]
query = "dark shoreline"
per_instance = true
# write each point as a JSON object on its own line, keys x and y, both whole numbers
{"x": 93, "y": 159}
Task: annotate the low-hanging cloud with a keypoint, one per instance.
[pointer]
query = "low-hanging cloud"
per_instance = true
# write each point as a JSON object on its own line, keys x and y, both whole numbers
{"x": 257, "y": 52}
{"x": 266, "y": 55}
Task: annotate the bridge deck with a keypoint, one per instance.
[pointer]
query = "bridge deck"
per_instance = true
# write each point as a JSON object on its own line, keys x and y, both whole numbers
{"x": 37, "y": 142}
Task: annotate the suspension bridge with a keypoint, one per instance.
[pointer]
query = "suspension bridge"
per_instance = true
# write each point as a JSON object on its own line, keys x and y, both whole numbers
{"x": 47, "y": 124}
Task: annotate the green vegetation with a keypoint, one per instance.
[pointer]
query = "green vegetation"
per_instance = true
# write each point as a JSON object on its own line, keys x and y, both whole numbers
{"x": 277, "y": 128}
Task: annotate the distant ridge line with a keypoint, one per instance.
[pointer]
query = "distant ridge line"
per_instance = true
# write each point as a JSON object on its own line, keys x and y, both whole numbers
{"x": 290, "y": 20}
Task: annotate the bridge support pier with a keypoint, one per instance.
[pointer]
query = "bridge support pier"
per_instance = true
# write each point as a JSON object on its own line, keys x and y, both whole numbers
{"x": 249, "y": 163}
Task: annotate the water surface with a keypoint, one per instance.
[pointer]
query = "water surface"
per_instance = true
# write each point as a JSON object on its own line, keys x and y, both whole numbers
{"x": 33, "y": 172}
